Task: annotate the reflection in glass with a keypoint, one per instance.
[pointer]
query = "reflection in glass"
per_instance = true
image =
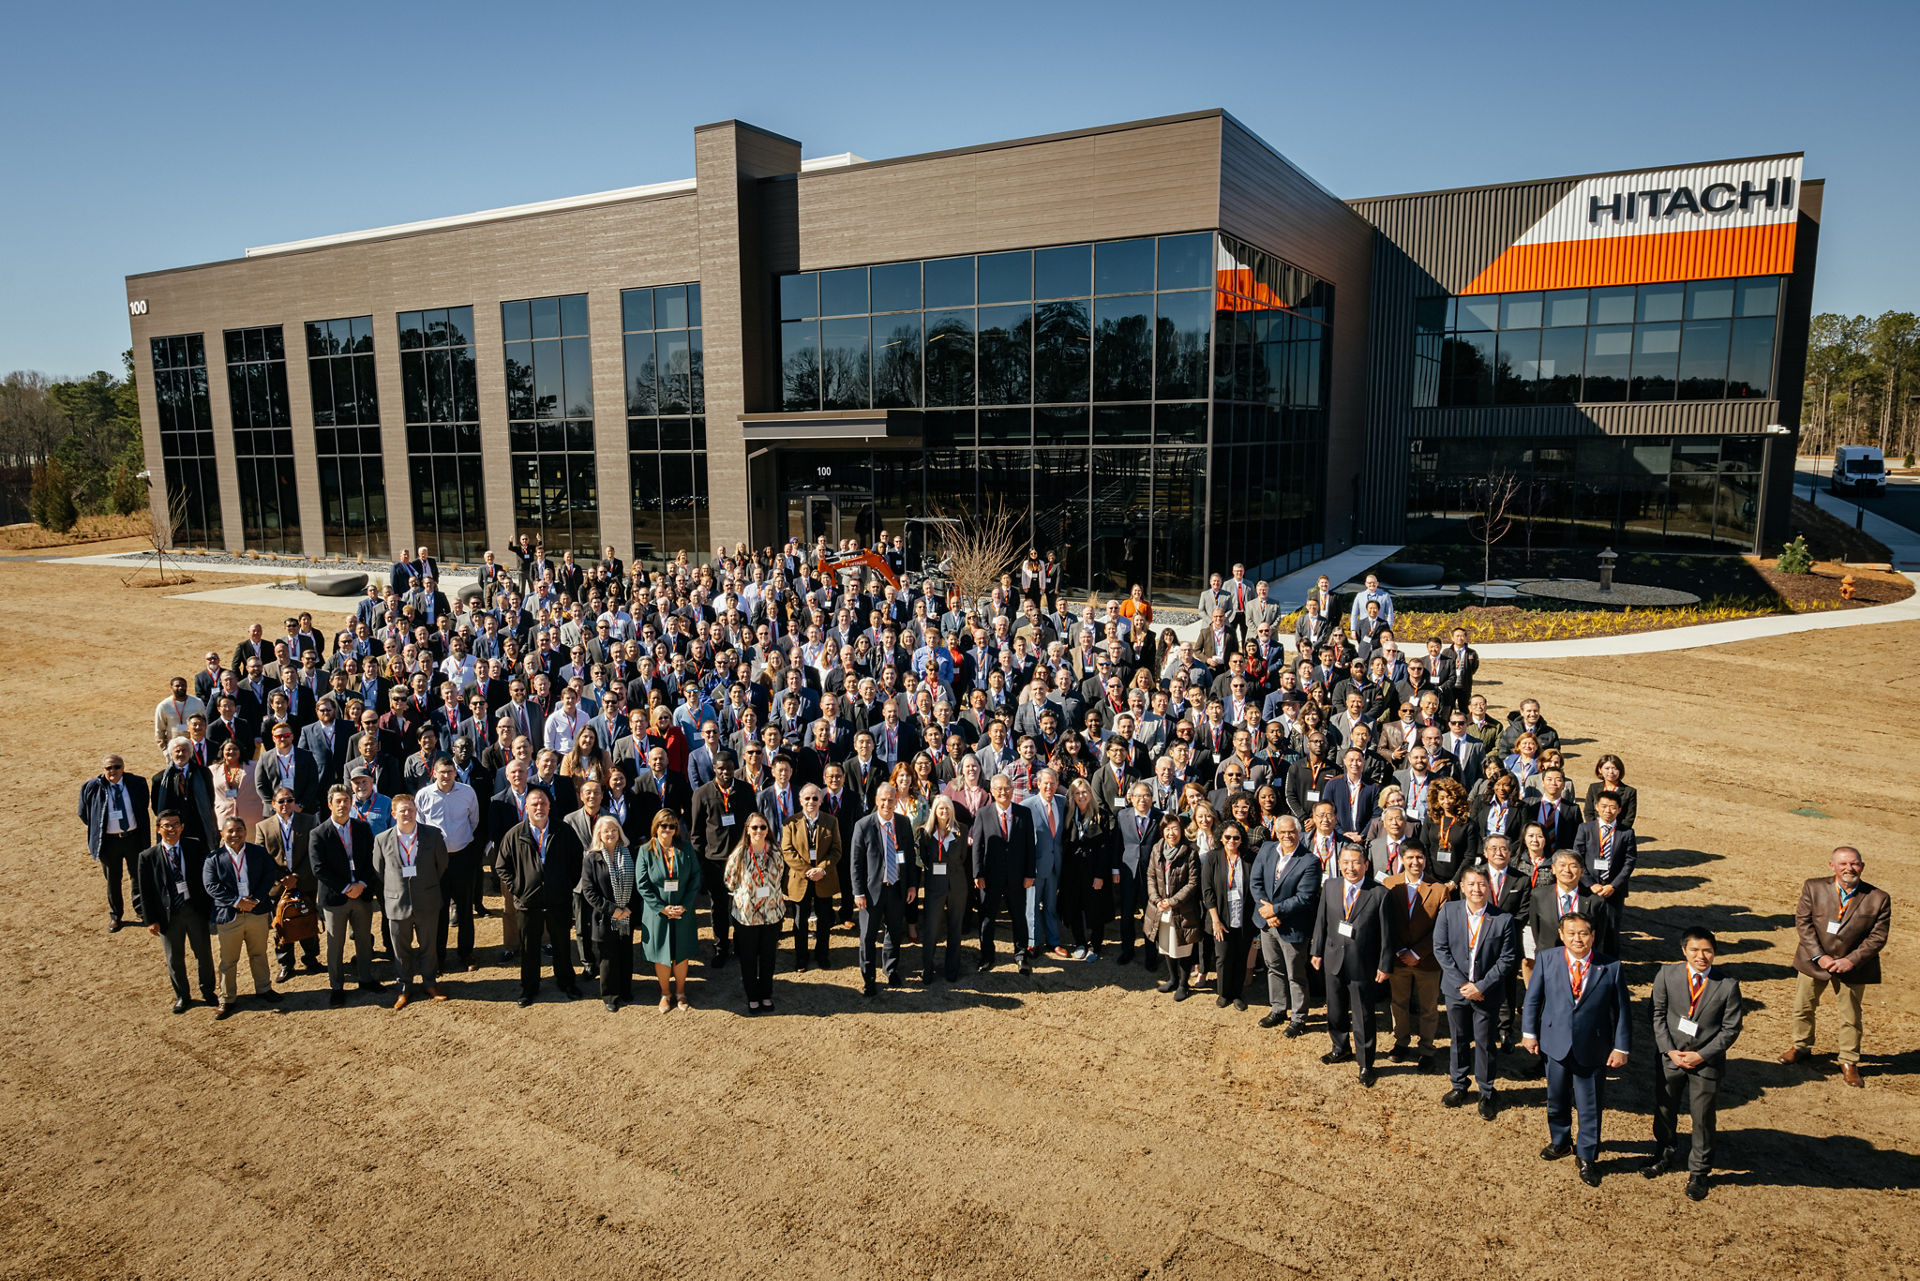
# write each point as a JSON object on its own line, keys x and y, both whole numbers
{"x": 949, "y": 356}
{"x": 1006, "y": 352}
{"x": 1123, "y": 347}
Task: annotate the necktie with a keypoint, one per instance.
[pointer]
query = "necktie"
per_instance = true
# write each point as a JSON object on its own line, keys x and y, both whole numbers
{"x": 1005, "y": 822}
{"x": 1353, "y": 892}
{"x": 1695, "y": 982}
{"x": 1566, "y": 902}
{"x": 1577, "y": 976}
{"x": 886, "y": 845}
{"x": 174, "y": 861}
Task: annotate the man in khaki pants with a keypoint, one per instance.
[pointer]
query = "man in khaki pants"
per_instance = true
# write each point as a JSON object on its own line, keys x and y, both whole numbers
{"x": 1843, "y": 924}
{"x": 242, "y": 880}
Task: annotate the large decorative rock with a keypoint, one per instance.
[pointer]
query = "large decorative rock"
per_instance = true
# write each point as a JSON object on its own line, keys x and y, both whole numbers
{"x": 1408, "y": 574}
{"x": 336, "y": 584}
{"x": 471, "y": 591}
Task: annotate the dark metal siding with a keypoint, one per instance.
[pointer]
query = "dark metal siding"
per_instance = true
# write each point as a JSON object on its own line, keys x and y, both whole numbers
{"x": 1684, "y": 418}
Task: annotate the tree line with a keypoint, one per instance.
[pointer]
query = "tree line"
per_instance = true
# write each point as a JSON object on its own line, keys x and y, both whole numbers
{"x": 70, "y": 448}
{"x": 1863, "y": 384}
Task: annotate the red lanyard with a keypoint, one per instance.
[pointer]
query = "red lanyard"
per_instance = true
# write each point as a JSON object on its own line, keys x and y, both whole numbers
{"x": 1696, "y": 988}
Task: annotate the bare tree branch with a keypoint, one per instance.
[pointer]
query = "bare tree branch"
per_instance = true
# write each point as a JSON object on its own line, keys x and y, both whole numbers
{"x": 980, "y": 546}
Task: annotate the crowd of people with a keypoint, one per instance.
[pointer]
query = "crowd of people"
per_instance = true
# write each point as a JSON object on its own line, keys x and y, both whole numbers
{"x": 657, "y": 767}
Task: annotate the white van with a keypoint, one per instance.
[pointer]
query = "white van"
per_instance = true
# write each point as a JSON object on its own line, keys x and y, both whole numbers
{"x": 1858, "y": 469}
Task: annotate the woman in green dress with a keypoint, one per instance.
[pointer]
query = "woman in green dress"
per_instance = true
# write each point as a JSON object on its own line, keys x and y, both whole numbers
{"x": 668, "y": 880}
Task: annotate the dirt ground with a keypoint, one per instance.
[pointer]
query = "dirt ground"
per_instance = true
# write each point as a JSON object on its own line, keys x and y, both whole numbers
{"x": 1073, "y": 1125}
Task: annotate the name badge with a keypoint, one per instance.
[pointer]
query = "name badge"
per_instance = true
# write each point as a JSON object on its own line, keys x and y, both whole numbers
{"x": 180, "y": 888}
{"x": 1246, "y": 785}
{"x": 1602, "y": 866}
{"x": 1116, "y": 873}
{"x": 1833, "y": 927}
{"x": 673, "y": 887}
{"x": 726, "y": 820}
{"x": 407, "y": 871}
{"x": 1346, "y": 929}
{"x": 939, "y": 869}
{"x": 1313, "y": 796}
{"x": 762, "y": 891}
{"x": 1687, "y": 1026}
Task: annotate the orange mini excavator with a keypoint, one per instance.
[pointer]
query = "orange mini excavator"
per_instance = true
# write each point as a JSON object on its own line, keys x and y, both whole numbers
{"x": 856, "y": 560}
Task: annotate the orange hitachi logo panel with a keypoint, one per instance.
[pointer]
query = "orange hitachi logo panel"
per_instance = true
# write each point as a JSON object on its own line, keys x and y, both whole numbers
{"x": 1765, "y": 250}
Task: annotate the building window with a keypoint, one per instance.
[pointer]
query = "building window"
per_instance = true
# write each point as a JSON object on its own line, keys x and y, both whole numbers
{"x": 666, "y": 422}
{"x": 1072, "y": 382}
{"x": 263, "y": 439}
{"x": 1679, "y": 493}
{"x": 440, "y": 404}
{"x": 556, "y": 499}
{"x": 1676, "y": 340}
{"x": 346, "y": 436}
{"x": 186, "y": 437}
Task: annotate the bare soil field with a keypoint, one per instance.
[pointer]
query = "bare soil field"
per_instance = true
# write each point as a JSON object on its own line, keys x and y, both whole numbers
{"x": 1075, "y": 1124}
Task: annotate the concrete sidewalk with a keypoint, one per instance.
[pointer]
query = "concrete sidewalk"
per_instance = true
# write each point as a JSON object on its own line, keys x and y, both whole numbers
{"x": 1903, "y": 545}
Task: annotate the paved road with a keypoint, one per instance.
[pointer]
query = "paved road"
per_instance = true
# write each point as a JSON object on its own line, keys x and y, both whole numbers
{"x": 1900, "y": 504}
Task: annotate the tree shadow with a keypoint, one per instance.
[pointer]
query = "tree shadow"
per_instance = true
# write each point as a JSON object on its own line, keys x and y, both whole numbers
{"x": 1672, "y": 856}
{"x": 1779, "y": 1158}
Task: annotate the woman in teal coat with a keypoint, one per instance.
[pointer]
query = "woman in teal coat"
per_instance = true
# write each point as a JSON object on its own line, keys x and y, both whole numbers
{"x": 668, "y": 878}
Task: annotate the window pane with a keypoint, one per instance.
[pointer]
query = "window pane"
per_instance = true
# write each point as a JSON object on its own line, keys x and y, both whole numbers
{"x": 896, "y": 287}
{"x": 843, "y": 357}
{"x": 1003, "y": 428}
{"x": 1566, "y": 307}
{"x": 1656, "y": 360}
{"x": 346, "y": 403}
{"x": 546, "y": 317}
{"x": 320, "y": 383}
{"x": 548, "y": 383}
{"x": 1520, "y": 311}
{"x": 1122, "y": 485}
{"x": 949, "y": 283}
{"x": 410, "y": 335}
{"x": 675, "y": 381}
{"x": 579, "y": 378}
{"x": 1703, "y": 357}
{"x": 1006, "y": 352}
{"x": 1750, "y": 370}
{"x": 843, "y": 293}
{"x": 514, "y": 323}
{"x": 466, "y": 388}
{"x": 1062, "y": 425}
{"x": 573, "y": 315}
{"x": 1180, "y": 424}
{"x": 896, "y": 357}
{"x": 365, "y": 389}
{"x": 1758, "y": 296}
{"x": 1122, "y": 425}
{"x": 636, "y": 309}
{"x": 1123, "y": 267}
{"x": 459, "y": 326}
{"x": 676, "y": 490}
{"x": 1182, "y": 336}
{"x": 1467, "y": 370}
{"x": 670, "y": 307}
{"x": 1066, "y": 272}
{"x": 1061, "y": 352}
{"x": 1186, "y": 262}
{"x": 800, "y": 364}
{"x": 1661, "y": 302}
{"x": 1123, "y": 347}
{"x": 1709, "y": 299}
{"x": 644, "y": 483}
{"x": 1006, "y": 277}
{"x": 1060, "y": 509}
{"x": 640, "y": 369}
{"x": 1563, "y": 352}
{"x": 949, "y": 352}
{"x": 1519, "y": 367}
{"x": 1613, "y": 305}
{"x": 1481, "y": 312}
{"x": 413, "y": 386}
{"x": 799, "y": 296}
{"x": 1609, "y": 361}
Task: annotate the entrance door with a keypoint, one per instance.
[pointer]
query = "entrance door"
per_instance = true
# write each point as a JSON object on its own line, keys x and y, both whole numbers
{"x": 823, "y": 520}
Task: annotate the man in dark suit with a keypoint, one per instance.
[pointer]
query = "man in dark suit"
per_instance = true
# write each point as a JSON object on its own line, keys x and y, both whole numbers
{"x": 1508, "y": 890}
{"x": 1575, "y": 1016}
{"x": 1139, "y": 827}
{"x": 411, "y": 858}
{"x": 113, "y": 805}
{"x": 170, "y": 897}
{"x": 1693, "y": 1047}
{"x": 1842, "y": 922}
{"x": 340, "y": 849}
{"x": 186, "y": 788}
{"x": 1286, "y": 893}
{"x": 1455, "y": 670}
{"x": 1003, "y": 868}
{"x": 1352, "y": 798}
{"x": 286, "y": 765}
{"x": 886, "y": 873}
{"x": 1608, "y": 851}
{"x": 719, "y": 808}
{"x": 1478, "y": 947}
{"x": 325, "y": 741}
{"x": 539, "y": 864}
{"x": 242, "y": 880}
{"x": 1353, "y": 947}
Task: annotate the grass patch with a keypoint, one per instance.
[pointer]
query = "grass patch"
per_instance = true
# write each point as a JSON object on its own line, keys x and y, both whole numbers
{"x": 89, "y": 529}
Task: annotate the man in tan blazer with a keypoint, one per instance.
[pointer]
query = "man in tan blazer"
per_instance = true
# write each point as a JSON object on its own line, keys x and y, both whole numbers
{"x": 283, "y": 834}
{"x": 1413, "y": 905}
{"x": 810, "y": 843}
{"x": 1843, "y": 924}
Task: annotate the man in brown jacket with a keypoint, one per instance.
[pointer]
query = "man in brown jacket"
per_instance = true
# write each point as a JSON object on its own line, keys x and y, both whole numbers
{"x": 1843, "y": 924}
{"x": 1413, "y": 905}
{"x": 810, "y": 843}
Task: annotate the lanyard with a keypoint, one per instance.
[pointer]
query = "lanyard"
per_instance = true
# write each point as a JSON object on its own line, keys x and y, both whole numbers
{"x": 409, "y": 847}
{"x": 1353, "y": 896}
{"x": 1473, "y": 929}
{"x": 1696, "y": 988}
{"x": 1846, "y": 899}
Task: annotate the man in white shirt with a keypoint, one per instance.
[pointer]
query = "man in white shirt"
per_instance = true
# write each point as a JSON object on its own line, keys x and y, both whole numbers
{"x": 453, "y": 808}
{"x": 171, "y": 714}
{"x": 564, "y": 726}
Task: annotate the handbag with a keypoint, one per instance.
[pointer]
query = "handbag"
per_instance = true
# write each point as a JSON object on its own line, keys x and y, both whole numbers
{"x": 295, "y": 919}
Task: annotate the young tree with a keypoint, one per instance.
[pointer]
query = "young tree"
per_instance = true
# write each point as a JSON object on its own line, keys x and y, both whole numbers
{"x": 979, "y": 546}
{"x": 1496, "y": 517}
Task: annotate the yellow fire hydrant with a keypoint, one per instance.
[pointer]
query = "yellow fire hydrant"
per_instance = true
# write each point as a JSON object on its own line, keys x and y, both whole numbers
{"x": 1847, "y": 588}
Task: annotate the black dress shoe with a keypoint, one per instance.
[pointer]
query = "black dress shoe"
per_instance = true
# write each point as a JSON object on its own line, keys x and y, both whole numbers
{"x": 1273, "y": 1018}
{"x": 1454, "y": 1098}
{"x": 1424, "y": 1063}
{"x": 1658, "y": 1164}
{"x": 1164, "y": 985}
{"x": 1488, "y": 1108}
{"x": 1554, "y": 1151}
{"x": 181, "y": 1006}
{"x": 1367, "y": 1077}
{"x": 1696, "y": 1187}
{"x": 1026, "y": 965}
{"x": 1182, "y": 994}
{"x": 1589, "y": 1172}
{"x": 480, "y": 913}
{"x": 337, "y": 997}
{"x": 1219, "y": 1002}
{"x": 284, "y": 974}
{"x": 1399, "y": 1054}
{"x": 1339, "y": 1054}
{"x": 1240, "y": 1005}
{"x": 1294, "y": 1029}
{"x": 869, "y": 988}
{"x": 524, "y": 1002}
{"x": 114, "y": 927}
{"x": 611, "y": 1005}
{"x": 270, "y": 996}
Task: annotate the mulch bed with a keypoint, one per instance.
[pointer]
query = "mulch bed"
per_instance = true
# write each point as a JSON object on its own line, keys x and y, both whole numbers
{"x": 1822, "y": 586}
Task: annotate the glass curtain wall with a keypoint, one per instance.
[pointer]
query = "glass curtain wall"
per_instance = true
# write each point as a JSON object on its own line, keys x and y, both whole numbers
{"x": 346, "y": 436}
{"x": 666, "y": 422}
{"x": 441, "y": 405}
{"x": 263, "y": 439}
{"x": 186, "y": 437}
{"x": 556, "y": 498}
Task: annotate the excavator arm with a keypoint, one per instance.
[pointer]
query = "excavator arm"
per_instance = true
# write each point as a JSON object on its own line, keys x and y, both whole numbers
{"x": 869, "y": 560}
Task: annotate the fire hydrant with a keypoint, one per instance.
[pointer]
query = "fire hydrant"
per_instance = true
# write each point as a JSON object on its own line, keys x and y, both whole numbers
{"x": 1847, "y": 588}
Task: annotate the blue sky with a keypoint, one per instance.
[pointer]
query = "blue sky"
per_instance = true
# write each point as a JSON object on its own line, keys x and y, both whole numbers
{"x": 155, "y": 136}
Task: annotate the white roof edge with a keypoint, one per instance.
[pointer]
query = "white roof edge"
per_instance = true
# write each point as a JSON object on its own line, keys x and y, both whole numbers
{"x": 839, "y": 161}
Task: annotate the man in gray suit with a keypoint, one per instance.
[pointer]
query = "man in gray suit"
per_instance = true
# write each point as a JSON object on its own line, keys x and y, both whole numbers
{"x": 284, "y": 765}
{"x": 1262, "y": 612}
{"x": 410, "y": 858}
{"x": 1696, "y": 1019}
{"x": 1478, "y": 947}
{"x": 1049, "y": 819}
